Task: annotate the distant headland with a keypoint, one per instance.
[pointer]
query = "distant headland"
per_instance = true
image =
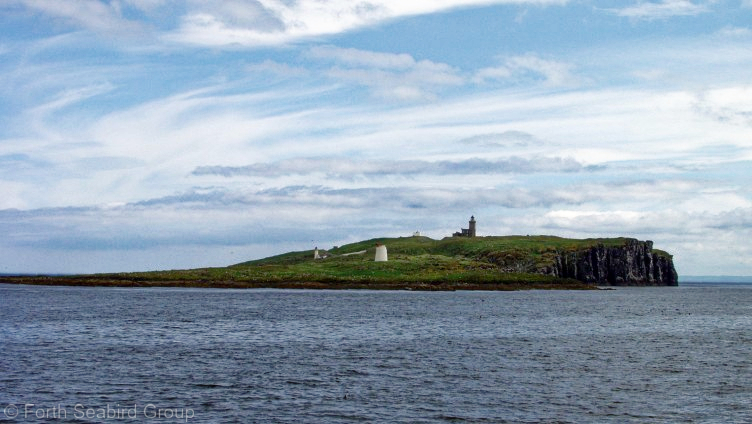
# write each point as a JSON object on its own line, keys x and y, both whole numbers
{"x": 464, "y": 261}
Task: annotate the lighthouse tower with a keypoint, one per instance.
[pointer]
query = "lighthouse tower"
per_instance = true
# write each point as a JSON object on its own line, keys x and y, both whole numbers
{"x": 467, "y": 232}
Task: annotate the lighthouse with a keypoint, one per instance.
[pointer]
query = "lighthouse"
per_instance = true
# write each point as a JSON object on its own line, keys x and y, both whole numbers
{"x": 467, "y": 232}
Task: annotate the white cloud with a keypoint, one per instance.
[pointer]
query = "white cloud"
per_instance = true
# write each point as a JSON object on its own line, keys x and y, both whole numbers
{"x": 552, "y": 72}
{"x": 664, "y": 9}
{"x": 735, "y": 32}
{"x": 603, "y": 221}
{"x": 731, "y": 105}
{"x": 508, "y": 139}
{"x": 70, "y": 97}
{"x": 13, "y": 193}
{"x": 276, "y": 68}
{"x": 234, "y": 23}
{"x": 339, "y": 167}
{"x": 390, "y": 75}
{"x": 650, "y": 74}
{"x": 175, "y": 134}
{"x": 277, "y": 21}
{"x": 492, "y": 73}
{"x": 363, "y": 58}
{"x": 147, "y": 5}
{"x": 90, "y": 14}
{"x": 207, "y": 30}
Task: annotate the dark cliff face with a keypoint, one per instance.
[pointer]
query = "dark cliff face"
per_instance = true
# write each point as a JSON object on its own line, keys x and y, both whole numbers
{"x": 633, "y": 264}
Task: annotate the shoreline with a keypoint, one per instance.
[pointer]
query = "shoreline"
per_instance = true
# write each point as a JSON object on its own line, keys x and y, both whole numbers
{"x": 111, "y": 281}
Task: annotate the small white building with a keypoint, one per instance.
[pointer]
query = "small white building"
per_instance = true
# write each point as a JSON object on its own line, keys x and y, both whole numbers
{"x": 380, "y": 253}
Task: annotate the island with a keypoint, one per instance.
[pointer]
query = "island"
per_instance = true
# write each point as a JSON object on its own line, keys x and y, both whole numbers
{"x": 461, "y": 262}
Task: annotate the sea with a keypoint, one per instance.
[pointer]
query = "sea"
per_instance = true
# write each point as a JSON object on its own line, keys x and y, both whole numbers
{"x": 628, "y": 355}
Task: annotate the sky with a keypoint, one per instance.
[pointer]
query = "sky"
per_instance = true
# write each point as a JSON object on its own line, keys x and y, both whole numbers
{"x": 144, "y": 135}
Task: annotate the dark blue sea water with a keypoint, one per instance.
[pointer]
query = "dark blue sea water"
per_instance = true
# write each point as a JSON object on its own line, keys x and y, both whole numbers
{"x": 631, "y": 355}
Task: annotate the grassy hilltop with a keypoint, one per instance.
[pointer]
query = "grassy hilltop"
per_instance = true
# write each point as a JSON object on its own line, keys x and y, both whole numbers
{"x": 420, "y": 263}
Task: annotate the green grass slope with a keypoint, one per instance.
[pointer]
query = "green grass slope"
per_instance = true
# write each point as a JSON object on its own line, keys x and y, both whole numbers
{"x": 537, "y": 251}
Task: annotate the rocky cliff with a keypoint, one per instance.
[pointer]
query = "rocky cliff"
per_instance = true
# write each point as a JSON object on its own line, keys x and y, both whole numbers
{"x": 635, "y": 263}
